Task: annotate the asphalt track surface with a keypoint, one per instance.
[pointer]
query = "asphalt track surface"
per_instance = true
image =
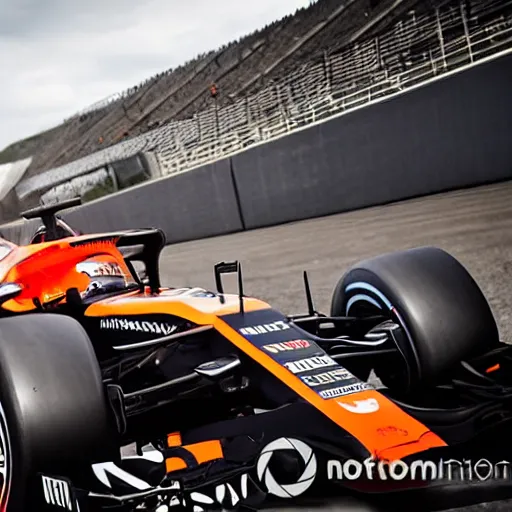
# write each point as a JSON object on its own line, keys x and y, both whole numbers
{"x": 475, "y": 225}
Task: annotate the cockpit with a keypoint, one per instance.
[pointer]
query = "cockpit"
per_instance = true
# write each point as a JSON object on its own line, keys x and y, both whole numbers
{"x": 69, "y": 266}
{"x": 106, "y": 275}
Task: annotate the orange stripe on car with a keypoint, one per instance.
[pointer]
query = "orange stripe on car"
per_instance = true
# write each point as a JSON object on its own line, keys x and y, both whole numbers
{"x": 174, "y": 464}
{"x": 199, "y": 310}
{"x": 206, "y": 451}
{"x": 493, "y": 368}
{"x": 364, "y": 427}
{"x": 174, "y": 439}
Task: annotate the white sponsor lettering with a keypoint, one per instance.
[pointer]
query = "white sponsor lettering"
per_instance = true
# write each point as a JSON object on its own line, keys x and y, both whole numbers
{"x": 225, "y": 496}
{"x": 345, "y": 390}
{"x": 465, "y": 470}
{"x": 361, "y": 406}
{"x": 57, "y": 493}
{"x": 265, "y": 328}
{"x": 275, "y": 348}
{"x": 327, "y": 377}
{"x": 104, "y": 469}
{"x": 124, "y": 324}
{"x": 312, "y": 363}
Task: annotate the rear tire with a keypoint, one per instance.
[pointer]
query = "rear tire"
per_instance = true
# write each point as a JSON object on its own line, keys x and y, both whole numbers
{"x": 54, "y": 416}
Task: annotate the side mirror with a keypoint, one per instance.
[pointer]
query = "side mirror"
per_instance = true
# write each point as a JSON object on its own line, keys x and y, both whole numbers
{"x": 9, "y": 291}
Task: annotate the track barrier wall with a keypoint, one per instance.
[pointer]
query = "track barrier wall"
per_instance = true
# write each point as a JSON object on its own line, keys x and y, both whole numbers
{"x": 451, "y": 133}
{"x": 196, "y": 204}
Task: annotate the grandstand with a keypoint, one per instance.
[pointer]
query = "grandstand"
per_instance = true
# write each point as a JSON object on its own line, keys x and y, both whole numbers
{"x": 325, "y": 59}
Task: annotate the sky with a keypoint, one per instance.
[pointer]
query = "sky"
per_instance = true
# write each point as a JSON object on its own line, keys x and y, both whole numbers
{"x": 59, "y": 56}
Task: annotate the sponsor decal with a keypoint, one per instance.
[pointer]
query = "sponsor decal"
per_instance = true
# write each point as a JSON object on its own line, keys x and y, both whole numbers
{"x": 361, "y": 406}
{"x": 311, "y": 363}
{"x": 124, "y": 324}
{"x": 328, "y": 377}
{"x": 290, "y": 489}
{"x": 57, "y": 493}
{"x": 392, "y": 431}
{"x": 224, "y": 495}
{"x": 275, "y": 348}
{"x": 117, "y": 479}
{"x": 104, "y": 471}
{"x": 264, "y": 328}
{"x": 345, "y": 390}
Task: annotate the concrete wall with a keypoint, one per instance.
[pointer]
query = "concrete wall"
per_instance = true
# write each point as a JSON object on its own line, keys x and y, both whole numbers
{"x": 452, "y": 133}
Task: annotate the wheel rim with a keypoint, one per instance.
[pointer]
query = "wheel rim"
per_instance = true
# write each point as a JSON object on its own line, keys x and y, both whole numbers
{"x": 5, "y": 462}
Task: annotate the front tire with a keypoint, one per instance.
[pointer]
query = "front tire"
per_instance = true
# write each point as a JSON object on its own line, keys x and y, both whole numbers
{"x": 54, "y": 416}
{"x": 443, "y": 314}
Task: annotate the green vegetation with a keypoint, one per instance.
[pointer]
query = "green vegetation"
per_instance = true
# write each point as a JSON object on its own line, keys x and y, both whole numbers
{"x": 26, "y": 147}
{"x": 101, "y": 189}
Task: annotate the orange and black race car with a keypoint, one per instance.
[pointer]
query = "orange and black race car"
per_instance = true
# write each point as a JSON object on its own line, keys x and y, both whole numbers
{"x": 119, "y": 394}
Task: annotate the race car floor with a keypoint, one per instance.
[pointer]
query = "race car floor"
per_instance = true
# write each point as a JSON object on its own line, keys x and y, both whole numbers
{"x": 475, "y": 225}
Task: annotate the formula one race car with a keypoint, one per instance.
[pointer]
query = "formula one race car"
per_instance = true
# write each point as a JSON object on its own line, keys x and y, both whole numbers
{"x": 119, "y": 394}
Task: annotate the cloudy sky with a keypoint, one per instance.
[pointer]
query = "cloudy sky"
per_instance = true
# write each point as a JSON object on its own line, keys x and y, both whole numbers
{"x": 58, "y": 56}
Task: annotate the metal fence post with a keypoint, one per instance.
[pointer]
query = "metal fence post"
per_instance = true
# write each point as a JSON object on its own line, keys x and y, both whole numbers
{"x": 327, "y": 72}
{"x": 466, "y": 30}
{"x": 440, "y": 35}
